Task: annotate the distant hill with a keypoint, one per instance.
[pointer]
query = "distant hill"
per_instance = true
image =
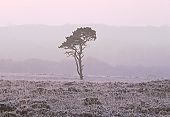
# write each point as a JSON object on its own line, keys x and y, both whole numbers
{"x": 127, "y": 46}
{"x": 117, "y": 51}
{"x": 92, "y": 67}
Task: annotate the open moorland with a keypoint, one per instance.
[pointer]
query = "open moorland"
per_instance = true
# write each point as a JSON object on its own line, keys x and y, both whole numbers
{"x": 20, "y": 98}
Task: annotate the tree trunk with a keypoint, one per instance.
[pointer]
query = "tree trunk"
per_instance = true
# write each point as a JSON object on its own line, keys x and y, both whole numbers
{"x": 78, "y": 59}
{"x": 80, "y": 63}
{"x": 79, "y": 66}
{"x": 81, "y": 69}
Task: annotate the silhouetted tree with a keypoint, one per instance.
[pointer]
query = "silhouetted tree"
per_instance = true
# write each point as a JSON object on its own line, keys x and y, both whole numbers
{"x": 75, "y": 45}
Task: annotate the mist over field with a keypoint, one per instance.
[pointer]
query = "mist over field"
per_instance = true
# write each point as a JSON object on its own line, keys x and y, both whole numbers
{"x": 142, "y": 50}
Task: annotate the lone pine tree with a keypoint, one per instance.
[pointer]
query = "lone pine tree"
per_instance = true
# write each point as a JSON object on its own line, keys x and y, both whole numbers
{"x": 75, "y": 45}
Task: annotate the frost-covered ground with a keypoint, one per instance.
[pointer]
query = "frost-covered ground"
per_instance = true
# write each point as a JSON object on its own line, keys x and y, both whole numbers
{"x": 69, "y": 77}
{"x": 21, "y": 98}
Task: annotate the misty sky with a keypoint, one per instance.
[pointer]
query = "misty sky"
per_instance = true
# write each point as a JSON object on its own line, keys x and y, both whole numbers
{"x": 148, "y": 47}
{"x": 111, "y": 12}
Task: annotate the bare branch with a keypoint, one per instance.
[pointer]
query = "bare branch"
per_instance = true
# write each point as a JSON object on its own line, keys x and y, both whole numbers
{"x": 82, "y": 56}
{"x": 77, "y": 66}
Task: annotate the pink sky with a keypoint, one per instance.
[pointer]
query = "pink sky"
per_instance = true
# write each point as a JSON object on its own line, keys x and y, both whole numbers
{"x": 111, "y": 12}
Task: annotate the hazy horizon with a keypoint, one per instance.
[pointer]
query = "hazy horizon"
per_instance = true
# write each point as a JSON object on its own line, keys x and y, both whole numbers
{"x": 129, "y": 32}
{"x": 131, "y": 46}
